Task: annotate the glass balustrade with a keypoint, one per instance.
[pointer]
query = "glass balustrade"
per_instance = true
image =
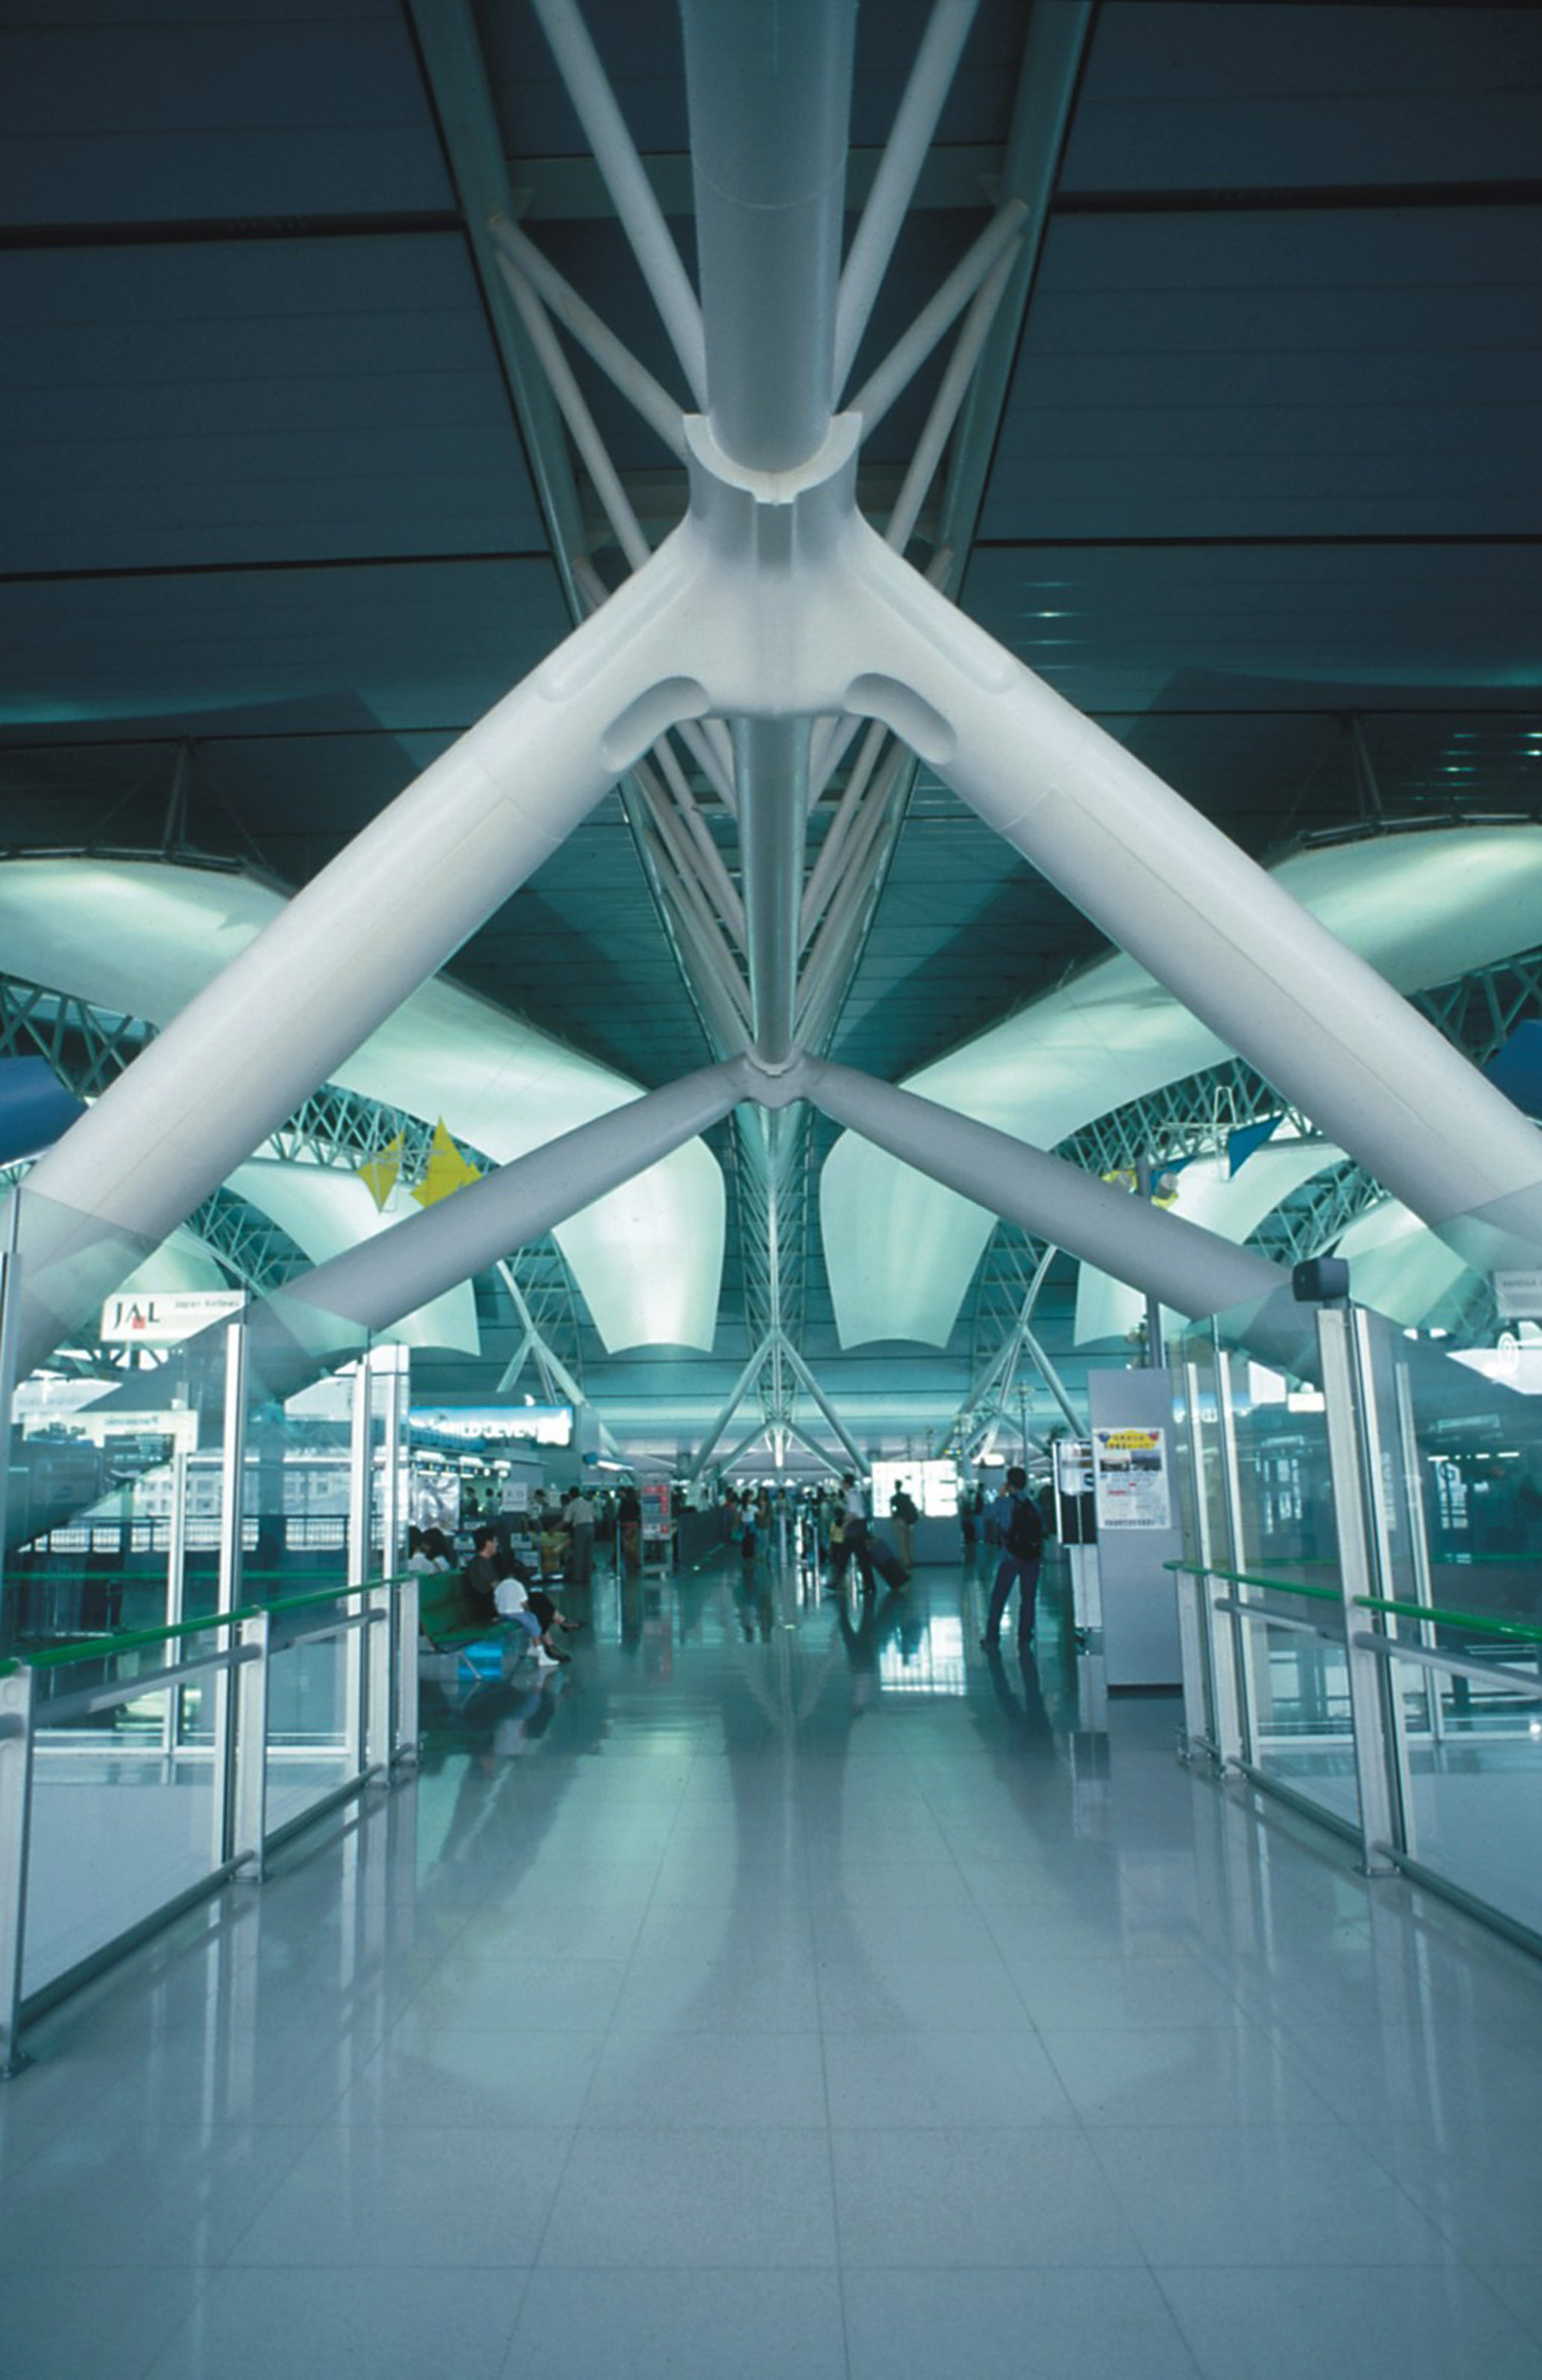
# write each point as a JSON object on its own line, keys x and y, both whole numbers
{"x": 201, "y": 1531}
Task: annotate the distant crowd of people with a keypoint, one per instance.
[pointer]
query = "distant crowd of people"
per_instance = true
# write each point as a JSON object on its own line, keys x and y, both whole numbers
{"x": 509, "y": 1559}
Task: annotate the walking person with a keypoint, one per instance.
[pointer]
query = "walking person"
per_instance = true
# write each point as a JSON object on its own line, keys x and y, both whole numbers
{"x": 582, "y": 1518}
{"x": 903, "y": 1514}
{"x": 629, "y": 1530}
{"x": 1020, "y": 1533}
{"x": 853, "y": 1531}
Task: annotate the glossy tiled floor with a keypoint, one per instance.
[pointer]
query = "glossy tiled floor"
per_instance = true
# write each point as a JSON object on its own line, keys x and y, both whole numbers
{"x": 788, "y": 1991}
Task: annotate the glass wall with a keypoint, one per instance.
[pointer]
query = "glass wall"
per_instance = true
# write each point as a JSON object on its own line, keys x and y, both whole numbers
{"x": 112, "y": 1563}
{"x": 1460, "y": 1457}
{"x": 1364, "y": 1534}
{"x": 1264, "y": 1463}
{"x": 224, "y": 1459}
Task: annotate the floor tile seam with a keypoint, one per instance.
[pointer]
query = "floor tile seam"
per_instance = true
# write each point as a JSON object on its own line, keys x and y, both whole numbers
{"x": 164, "y": 2346}
{"x": 1528, "y": 2329}
{"x": 1298, "y": 2059}
{"x": 572, "y": 2131}
{"x": 506, "y": 2365}
{"x": 607, "y": 2031}
{"x": 1112, "y": 2170}
{"x": 312, "y": 2133}
{"x": 1426, "y": 2214}
{"x": 834, "y": 2193}
{"x": 1189, "y": 2346}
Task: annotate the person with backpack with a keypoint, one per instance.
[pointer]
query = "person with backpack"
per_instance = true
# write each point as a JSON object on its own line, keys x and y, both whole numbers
{"x": 1020, "y": 1533}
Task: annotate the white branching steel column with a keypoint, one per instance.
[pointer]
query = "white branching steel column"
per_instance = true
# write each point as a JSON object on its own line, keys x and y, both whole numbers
{"x": 770, "y": 94}
{"x": 771, "y": 765}
{"x": 1209, "y": 924}
{"x": 777, "y": 605}
{"x": 348, "y": 949}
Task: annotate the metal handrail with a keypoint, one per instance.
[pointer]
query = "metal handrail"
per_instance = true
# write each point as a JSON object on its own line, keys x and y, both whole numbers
{"x": 1398, "y": 1648}
{"x": 1254, "y": 1578}
{"x": 92, "y": 1699}
{"x": 333, "y": 1594}
{"x": 1524, "y": 1631}
{"x": 106, "y": 1649}
{"x": 1278, "y": 1619}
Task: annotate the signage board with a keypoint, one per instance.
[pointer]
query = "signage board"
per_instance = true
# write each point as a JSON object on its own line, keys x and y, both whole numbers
{"x": 494, "y": 1425}
{"x": 1129, "y": 1472}
{"x": 1518, "y": 1296}
{"x": 162, "y": 1318}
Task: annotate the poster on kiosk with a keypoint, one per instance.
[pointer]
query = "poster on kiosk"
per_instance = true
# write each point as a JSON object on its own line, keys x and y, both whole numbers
{"x": 1138, "y": 1524}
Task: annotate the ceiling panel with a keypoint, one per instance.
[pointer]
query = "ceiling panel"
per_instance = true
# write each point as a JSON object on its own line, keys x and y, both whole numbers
{"x": 1308, "y": 383}
{"x": 180, "y": 112}
{"x": 426, "y": 645}
{"x": 1217, "y": 96}
{"x": 259, "y": 401}
{"x": 1213, "y": 627}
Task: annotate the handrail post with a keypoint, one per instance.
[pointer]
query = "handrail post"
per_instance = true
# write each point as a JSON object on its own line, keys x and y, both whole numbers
{"x": 1231, "y": 1648}
{"x": 1379, "y": 1478}
{"x": 17, "y": 1691}
{"x": 176, "y": 1573}
{"x": 1356, "y": 1577}
{"x": 1201, "y": 1728}
{"x": 233, "y": 1484}
{"x": 378, "y": 1702}
{"x": 405, "y": 1632}
{"x": 10, "y": 1286}
{"x": 251, "y": 1820}
{"x": 395, "y": 1370}
{"x": 357, "y": 1666}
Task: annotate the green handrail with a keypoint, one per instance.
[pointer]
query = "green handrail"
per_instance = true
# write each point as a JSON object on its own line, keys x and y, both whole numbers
{"x": 137, "y": 1578}
{"x": 333, "y": 1594}
{"x": 1252, "y": 1578}
{"x": 1524, "y": 1631}
{"x": 107, "y": 1649}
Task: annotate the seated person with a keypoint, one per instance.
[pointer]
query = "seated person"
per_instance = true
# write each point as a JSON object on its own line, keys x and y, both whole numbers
{"x": 483, "y": 1572}
{"x": 493, "y": 1583}
{"x": 542, "y": 1614}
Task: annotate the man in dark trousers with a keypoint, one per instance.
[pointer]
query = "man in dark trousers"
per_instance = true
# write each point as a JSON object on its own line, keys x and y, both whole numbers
{"x": 1020, "y": 1533}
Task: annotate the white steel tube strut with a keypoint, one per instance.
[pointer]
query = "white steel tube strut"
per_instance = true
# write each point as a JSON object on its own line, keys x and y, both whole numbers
{"x": 616, "y": 360}
{"x": 1193, "y": 1270}
{"x": 376, "y": 1282}
{"x": 894, "y": 186}
{"x": 346, "y": 951}
{"x": 631, "y": 191}
{"x": 905, "y": 360}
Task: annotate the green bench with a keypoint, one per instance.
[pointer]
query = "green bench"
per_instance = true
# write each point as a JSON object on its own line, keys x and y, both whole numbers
{"x": 449, "y": 1622}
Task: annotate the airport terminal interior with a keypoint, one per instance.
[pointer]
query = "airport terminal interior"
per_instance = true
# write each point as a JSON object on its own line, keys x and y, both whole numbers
{"x": 779, "y": 765}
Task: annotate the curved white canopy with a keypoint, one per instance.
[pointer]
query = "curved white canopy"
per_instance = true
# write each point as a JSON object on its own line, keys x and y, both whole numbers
{"x": 900, "y": 1251}
{"x": 1209, "y": 1193}
{"x": 141, "y": 938}
{"x": 324, "y": 1211}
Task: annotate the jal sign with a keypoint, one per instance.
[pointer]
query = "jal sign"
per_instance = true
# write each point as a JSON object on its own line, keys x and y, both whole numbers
{"x": 162, "y": 1318}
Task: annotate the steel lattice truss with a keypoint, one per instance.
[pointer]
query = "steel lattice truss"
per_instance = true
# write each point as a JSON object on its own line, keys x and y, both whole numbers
{"x": 1477, "y": 1011}
{"x": 88, "y": 1047}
